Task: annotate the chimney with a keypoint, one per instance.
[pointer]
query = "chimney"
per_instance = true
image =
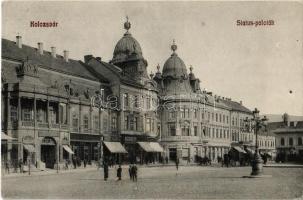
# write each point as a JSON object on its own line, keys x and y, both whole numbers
{"x": 53, "y": 52}
{"x": 65, "y": 55}
{"x": 19, "y": 41}
{"x": 98, "y": 58}
{"x": 87, "y": 58}
{"x": 40, "y": 48}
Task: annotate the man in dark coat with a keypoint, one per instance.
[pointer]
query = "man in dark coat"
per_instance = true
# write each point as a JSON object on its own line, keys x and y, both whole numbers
{"x": 177, "y": 163}
{"x": 119, "y": 173}
{"x": 105, "y": 168}
{"x": 134, "y": 172}
{"x": 130, "y": 172}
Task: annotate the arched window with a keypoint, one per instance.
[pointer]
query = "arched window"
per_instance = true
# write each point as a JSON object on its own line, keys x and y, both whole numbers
{"x": 299, "y": 141}
{"x": 282, "y": 142}
{"x": 291, "y": 142}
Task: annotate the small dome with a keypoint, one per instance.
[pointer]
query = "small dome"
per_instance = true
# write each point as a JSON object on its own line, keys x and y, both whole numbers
{"x": 174, "y": 66}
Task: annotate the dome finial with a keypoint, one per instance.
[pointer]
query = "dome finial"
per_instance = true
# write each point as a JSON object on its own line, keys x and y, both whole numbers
{"x": 174, "y": 46}
{"x": 127, "y": 24}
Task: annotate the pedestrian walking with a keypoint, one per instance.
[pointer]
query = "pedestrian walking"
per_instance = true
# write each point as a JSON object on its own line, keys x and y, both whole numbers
{"x": 7, "y": 167}
{"x": 119, "y": 173}
{"x": 177, "y": 163}
{"x": 84, "y": 163}
{"x": 20, "y": 165}
{"x": 130, "y": 172}
{"x": 134, "y": 172}
{"x": 105, "y": 168}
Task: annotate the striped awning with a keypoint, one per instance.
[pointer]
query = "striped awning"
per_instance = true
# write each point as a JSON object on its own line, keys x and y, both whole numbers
{"x": 146, "y": 146}
{"x": 6, "y": 137}
{"x": 115, "y": 147}
{"x": 156, "y": 146}
{"x": 68, "y": 149}
{"x": 239, "y": 149}
{"x": 151, "y": 146}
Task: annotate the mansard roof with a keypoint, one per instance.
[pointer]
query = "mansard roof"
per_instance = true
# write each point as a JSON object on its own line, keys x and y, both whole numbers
{"x": 73, "y": 67}
{"x": 235, "y": 106}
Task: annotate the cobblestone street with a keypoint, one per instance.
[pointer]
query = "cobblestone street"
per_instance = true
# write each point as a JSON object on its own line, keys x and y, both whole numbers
{"x": 160, "y": 182}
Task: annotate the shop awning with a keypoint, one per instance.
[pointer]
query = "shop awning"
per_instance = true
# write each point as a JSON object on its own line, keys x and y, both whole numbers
{"x": 6, "y": 137}
{"x": 239, "y": 149}
{"x": 68, "y": 149}
{"x": 151, "y": 146}
{"x": 156, "y": 146}
{"x": 29, "y": 147}
{"x": 115, "y": 147}
{"x": 249, "y": 150}
{"x": 146, "y": 146}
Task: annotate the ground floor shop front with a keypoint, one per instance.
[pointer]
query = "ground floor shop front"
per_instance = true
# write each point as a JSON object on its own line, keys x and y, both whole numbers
{"x": 190, "y": 152}
{"x": 49, "y": 149}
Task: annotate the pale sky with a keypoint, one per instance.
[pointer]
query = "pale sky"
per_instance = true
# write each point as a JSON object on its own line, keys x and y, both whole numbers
{"x": 258, "y": 65}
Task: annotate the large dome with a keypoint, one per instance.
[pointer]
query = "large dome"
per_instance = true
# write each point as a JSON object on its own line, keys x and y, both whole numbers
{"x": 127, "y": 48}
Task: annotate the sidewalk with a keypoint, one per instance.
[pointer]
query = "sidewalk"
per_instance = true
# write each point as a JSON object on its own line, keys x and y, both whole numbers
{"x": 48, "y": 172}
{"x": 283, "y": 165}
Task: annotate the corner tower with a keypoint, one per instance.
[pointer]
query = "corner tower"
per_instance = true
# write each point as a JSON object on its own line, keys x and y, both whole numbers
{"x": 128, "y": 56}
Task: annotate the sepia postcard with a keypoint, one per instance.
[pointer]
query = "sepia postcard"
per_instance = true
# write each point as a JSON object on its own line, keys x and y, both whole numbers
{"x": 152, "y": 100}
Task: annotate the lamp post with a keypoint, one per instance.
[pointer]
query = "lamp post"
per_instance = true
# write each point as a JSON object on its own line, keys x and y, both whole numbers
{"x": 257, "y": 162}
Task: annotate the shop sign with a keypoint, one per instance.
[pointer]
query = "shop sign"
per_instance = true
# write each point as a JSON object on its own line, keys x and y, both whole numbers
{"x": 130, "y": 139}
{"x": 48, "y": 133}
{"x": 28, "y": 139}
{"x": 48, "y": 141}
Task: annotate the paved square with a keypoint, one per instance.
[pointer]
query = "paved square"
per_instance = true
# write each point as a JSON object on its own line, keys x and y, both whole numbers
{"x": 160, "y": 182}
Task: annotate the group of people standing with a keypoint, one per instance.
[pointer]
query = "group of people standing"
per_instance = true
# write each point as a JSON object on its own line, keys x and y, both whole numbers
{"x": 133, "y": 172}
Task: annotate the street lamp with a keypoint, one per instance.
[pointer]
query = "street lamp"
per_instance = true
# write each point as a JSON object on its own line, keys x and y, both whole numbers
{"x": 257, "y": 166}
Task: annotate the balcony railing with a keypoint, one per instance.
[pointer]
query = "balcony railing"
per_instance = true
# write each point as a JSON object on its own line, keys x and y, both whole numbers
{"x": 43, "y": 125}
{"x": 64, "y": 126}
{"x": 28, "y": 123}
{"x": 55, "y": 125}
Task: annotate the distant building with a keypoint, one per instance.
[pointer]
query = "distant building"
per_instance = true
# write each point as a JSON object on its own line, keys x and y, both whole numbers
{"x": 289, "y": 137}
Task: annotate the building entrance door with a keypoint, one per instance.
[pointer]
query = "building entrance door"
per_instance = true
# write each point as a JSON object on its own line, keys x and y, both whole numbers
{"x": 172, "y": 154}
{"x": 48, "y": 152}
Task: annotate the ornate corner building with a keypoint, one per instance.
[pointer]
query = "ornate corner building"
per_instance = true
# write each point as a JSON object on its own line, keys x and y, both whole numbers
{"x": 56, "y": 106}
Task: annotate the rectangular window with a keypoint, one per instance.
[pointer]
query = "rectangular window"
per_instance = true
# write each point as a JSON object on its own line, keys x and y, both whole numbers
{"x": 96, "y": 122}
{"x": 195, "y": 113}
{"x": 27, "y": 114}
{"x": 202, "y": 114}
{"x": 195, "y": 130}
{"x": 172, "y": 114}
{"x": 217, "y": 133}
{"x": 172, "y": 129}
{"x": 135, "y": 123}
{"x": 227, "y": 119}
{"x": 185, "y": 131}
{"x": 148, "y": 103}
{"x": 220, "y": 118}
{"x": 75, "y": 122}
{"x": 153, "y": 125}
{"x": 114, "y": 123}
{"x": 126, "y": 120}
{"x": 136, "y": 101}
{"x": 125, "y": 99}
{"x": 85, "y": 122}
{"x": 14, "y": 113}
{"x": 182, "y": 111}
{"x": 148, "y": 125}
{"x": 216, "y": 117}
{"x": 212, "y": 116}
{"x": 223, "y": 118}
